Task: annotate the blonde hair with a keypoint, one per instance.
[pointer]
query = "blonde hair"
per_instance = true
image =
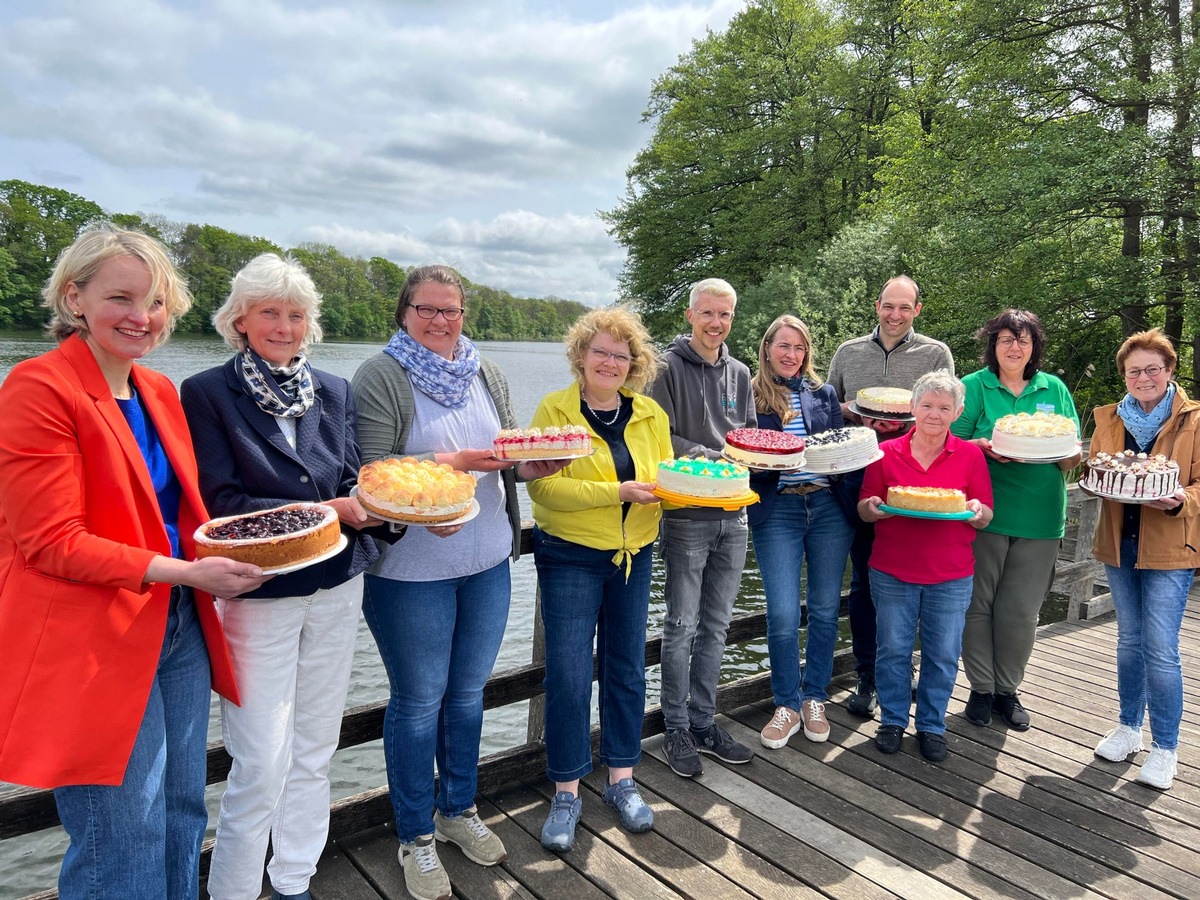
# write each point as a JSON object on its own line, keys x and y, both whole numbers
{"x": 79, "y": 263}
{"x": 769, "y": 395}
{"x": 622, "y": 325}
{"x": 718, "y": 287}
{"x": 269, "y": 276}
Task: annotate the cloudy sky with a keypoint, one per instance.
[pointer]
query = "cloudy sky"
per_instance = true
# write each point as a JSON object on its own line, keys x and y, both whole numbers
{"x": 481, "y": 134}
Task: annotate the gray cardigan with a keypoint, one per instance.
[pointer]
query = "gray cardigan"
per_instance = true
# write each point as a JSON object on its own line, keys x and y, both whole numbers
{"x": 383, "y": 396}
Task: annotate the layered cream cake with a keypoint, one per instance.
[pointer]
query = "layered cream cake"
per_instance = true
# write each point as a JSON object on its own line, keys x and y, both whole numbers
{"x": 763, "y": 448}
{"x": 1132, "y": 476}
{"x": 273, "y": 538}
{"x": 927, "y": 499}
{"x": 841, "y": 450}
{"x": 542, "y": 443}
{"x": 703, "y": 478}
{"x": 419, "y": 491}
{"x": 1039, "y": 435}
{"x": 884, "y": 401}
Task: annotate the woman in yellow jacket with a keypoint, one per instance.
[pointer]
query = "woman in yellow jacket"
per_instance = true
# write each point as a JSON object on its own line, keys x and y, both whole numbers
{"x": 593, "y": 545}
{"x": 1150, "y": 554}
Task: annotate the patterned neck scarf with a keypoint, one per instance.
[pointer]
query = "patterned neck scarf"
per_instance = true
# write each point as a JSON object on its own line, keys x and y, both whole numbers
{"x": 283, "y": 391}
{"x": 1145, "y": 426}
{"x": 448, "y": 381}
{"x": 797, "y": 382}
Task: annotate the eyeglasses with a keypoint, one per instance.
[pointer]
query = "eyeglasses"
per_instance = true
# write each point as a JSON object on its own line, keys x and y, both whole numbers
{"x": 707, "y": 315}
{"x": 1023, "y": 342}
{"x": 600, "y": 355}
{"x": 449, "y": 313}
{"x": 790, "y": 348}
{"x": 1152, "y": 371}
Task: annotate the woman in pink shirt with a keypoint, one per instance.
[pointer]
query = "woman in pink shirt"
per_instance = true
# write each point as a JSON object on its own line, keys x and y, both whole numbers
{"x": 922, "y": 569}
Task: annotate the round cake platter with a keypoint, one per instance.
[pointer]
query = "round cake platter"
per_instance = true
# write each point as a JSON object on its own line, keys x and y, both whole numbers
{"x": 925, "y": 514}
{"x": 727, "y": 503}
{"x": 342, "y": 543}
{"x": 521, "y": 459}
{"x": 1040, "y": 459}
{"x": 841, "y": 470}
{"x": 886, "y": 417}
{"x": 755, "y": 467}
{"x": 1133, "y": 501}
{"x": 472, "y": 512}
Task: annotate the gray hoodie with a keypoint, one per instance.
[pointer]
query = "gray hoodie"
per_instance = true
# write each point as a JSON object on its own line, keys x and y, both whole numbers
{"x": 703, "y": 401}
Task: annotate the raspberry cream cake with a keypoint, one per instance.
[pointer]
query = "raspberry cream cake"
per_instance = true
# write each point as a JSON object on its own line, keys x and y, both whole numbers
{"x": 1131, "y": 476}
{"x": 884, "y": 401}
{"x": 272, "y": 539}
{"x": 1039, "y": 435}
{"x": 763, "y": 448}
{"x": 553, "y": 442}
{"x": 841, "y": 450}
{"x": 703, "y": 478}
{"x": 927, "y": 499}
{"x": 419, "y": 491}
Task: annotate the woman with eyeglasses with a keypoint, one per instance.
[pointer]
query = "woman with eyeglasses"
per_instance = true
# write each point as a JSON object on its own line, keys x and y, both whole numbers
{"x": 596, "y": 522}
{"x": 1015, "y": 554}
{"x": 437, "y": 600}
{"x": 1150, "y": 553}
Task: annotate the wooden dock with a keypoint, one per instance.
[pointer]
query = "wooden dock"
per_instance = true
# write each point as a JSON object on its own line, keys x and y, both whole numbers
{"x": 1007, "y": 815}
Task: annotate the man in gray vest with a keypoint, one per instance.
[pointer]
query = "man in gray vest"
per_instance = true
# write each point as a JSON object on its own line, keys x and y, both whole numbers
{"x": 706, "y": 393}
{"x": 893, "y": 355}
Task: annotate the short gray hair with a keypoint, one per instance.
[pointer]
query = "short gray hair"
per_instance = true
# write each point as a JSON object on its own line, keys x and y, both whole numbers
{"x": 269, "y": 277}
{"x": 939, "y": 381}
{"x": 718, "y": 287}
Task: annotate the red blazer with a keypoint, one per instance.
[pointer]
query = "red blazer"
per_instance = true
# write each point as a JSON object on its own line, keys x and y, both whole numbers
{"x": 79, "y": 523}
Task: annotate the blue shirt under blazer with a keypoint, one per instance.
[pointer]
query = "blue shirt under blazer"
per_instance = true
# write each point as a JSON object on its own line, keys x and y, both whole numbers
{"x": 821, "y": 411}
{"x": 246, "y": 464}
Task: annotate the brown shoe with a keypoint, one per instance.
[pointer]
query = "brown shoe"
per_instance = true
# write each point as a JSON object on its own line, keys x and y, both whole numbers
{"x": 816, "y": 728}
{"x": 782, "y": 726}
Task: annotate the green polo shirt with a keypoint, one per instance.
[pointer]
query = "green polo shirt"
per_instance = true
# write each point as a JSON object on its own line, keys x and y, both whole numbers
{"x": 1031, "y": 498}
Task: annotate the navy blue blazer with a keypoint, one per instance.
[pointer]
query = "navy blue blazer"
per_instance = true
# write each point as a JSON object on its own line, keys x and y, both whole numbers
{"x": 821, "y": 411}
{"x": 246, "y": 464}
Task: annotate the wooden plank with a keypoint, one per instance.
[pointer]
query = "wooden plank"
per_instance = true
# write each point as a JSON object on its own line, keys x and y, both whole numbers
{"x": 338, "y": 878}
{"x": 475, "y": 882}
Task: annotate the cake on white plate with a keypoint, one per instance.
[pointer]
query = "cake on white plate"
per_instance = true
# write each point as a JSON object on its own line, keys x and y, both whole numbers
{"x": 273, "y": 538}
{"x": 764, "y": 448}
{"x": 1039, "y": 435}
{"x": 884, "y": 401}
{"x": 418, "y": 491}
{"x": 841, "y": 450}
{"x": 1131, "y": 476}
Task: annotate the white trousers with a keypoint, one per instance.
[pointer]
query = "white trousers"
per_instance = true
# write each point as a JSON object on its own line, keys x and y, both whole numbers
{"x": 292, "y": 656}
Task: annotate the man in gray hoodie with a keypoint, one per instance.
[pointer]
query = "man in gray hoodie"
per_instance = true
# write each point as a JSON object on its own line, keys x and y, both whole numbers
{"x": 706, "y": 393}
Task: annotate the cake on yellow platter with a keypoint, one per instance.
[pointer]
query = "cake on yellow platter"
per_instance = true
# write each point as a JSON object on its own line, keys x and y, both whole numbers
{"x": 927, "y": 499}
{"x": 703, "y": 478}
{"x": 419, "y": 491}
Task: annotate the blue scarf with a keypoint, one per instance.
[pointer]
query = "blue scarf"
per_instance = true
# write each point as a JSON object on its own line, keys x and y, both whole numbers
{"x": 1145, "y": 426}
{"x": 448, "y": 381}
{"x": 283, "y": 391}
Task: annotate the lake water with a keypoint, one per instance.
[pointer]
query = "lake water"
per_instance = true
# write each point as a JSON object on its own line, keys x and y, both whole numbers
{"x": 31, "y": 863}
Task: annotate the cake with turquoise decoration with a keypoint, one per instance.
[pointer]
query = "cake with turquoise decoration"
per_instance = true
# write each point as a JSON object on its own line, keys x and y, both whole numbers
{"x": 703, "y": 478}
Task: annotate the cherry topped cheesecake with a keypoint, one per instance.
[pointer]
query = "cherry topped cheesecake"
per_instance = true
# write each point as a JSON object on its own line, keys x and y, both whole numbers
{"x": 273, "y": 538}
{"x": 764, "y": 448}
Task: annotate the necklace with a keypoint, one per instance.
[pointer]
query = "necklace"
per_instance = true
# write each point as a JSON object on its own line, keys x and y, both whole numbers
{"x": 615, "y": 413}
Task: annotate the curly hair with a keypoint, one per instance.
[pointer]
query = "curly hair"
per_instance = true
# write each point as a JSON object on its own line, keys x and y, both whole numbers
{"x": 621, "y": 324}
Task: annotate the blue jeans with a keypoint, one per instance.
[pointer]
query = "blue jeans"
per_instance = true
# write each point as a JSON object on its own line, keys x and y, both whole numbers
{"x": 704, "y": 560}
{"x": 438, "y": 641}
{"x": 1150, "y": 605}
{"x": 585, "y": 596}
{"x": 140, "y": 840}
{"x": 802, "y": 527}
{"x": 940, "y": 610}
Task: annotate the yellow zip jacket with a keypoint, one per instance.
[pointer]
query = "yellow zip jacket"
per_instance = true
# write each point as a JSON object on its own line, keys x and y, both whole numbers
{"x": 1167, "y": 540}
{"x": 580, "y": 503}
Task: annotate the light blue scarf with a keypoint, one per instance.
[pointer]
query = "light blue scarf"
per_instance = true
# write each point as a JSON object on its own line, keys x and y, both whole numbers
{"x": 1145, "y": 426}
{"x": 448, "y": 381}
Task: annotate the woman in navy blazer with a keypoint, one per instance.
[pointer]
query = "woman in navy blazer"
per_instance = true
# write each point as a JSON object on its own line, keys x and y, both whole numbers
{"x": 269, "y": 430}
{"x": 798, "y": 516}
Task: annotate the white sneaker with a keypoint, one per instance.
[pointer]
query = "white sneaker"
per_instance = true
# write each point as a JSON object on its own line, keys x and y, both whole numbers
{"x": 782, "y": 726}
{"x": 1158, "y": 770}
{"x": 1118, "y": 744}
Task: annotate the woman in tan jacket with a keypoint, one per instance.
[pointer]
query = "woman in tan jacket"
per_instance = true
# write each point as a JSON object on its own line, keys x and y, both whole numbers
{"x": 1150, "y": 553}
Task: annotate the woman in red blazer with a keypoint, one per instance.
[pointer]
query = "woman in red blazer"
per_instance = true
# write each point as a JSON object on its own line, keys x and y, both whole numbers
{"x": 109, "y": 653}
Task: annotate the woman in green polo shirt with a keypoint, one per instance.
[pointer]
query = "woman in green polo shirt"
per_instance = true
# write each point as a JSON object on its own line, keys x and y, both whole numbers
{"x": 1015, "y": 554}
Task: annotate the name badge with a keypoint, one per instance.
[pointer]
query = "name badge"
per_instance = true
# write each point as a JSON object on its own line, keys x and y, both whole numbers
{"x": 1045, "y": 407}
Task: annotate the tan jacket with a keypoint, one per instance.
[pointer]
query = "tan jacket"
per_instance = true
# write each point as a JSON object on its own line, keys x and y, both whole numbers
{"x": 1168, "y": 541}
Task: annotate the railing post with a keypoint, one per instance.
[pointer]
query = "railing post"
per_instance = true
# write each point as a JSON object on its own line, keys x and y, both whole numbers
{"x": 535, "y": 726}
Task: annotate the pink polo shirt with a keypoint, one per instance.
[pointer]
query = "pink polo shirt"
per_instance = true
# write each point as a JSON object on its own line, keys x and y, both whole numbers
{"x": 926, "y": 551}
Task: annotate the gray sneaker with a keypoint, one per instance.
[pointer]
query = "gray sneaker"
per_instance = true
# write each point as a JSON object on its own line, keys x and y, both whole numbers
{"x": 478, "y": 843}
{"x": 680, "y": 748}
{"x": 423, "y": 873}
{"x": 716, "y": 741}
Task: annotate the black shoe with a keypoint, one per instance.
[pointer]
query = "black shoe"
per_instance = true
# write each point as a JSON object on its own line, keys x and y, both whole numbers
{"x": 887, "y": 738}
{"x": 933, "y": 746}
{"x": 680, "y": 748}
{"x": 1011, "y": 709}
{"x": 979, "y": 708}
{"x": 863, "y": 701}
{"x": 716, "y": 741}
